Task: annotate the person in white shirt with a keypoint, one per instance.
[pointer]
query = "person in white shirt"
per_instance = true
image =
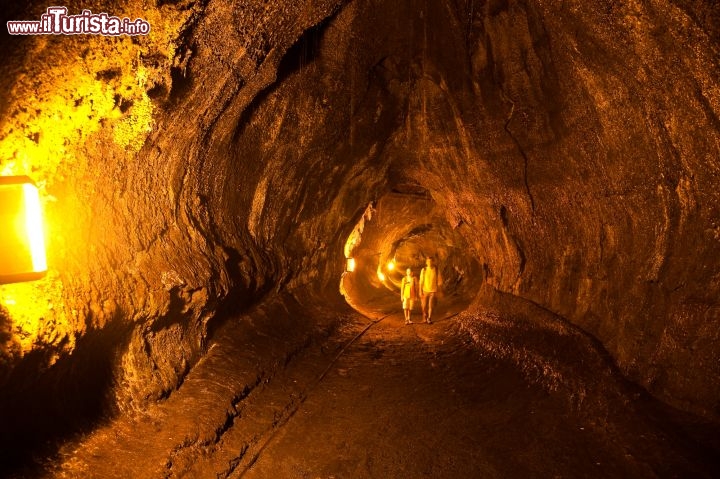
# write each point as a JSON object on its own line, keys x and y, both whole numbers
{"x": 429, "y": 284}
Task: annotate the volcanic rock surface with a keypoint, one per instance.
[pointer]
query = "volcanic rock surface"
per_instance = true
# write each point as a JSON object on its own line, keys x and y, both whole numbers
{"x": 201, "y": 186}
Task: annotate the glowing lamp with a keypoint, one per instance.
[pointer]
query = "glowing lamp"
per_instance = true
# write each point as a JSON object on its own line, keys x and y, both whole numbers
{"x": 350, "y": 266}
{"x": 381, "y": 276}
{"x": 391, "y": 265}
{"x": 22, "y": 242}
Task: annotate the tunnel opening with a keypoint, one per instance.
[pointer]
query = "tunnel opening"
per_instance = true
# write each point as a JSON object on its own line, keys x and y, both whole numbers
{"x": 401, "y": 231}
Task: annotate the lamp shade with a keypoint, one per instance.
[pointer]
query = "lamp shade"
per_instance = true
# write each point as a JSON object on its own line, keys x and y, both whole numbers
{"x": 22, "y": 241}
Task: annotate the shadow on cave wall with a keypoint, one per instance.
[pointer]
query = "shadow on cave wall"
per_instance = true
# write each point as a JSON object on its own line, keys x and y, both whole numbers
{"x": 302, "y": 53}
{"x": 47, "y": 405}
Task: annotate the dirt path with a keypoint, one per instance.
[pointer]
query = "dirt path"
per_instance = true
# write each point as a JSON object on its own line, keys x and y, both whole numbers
{"x": 374, "y": 400}
{"x": 414, "y": 401}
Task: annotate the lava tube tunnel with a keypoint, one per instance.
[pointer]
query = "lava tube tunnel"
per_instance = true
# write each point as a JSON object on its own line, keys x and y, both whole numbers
{"x": 401, "y": 232}
{"x": 208, "y": 209}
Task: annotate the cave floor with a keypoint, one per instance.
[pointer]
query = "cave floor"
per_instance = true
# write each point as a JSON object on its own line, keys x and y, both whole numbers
{"x": 374, "y": 399}
{"x": 412, "y": 401}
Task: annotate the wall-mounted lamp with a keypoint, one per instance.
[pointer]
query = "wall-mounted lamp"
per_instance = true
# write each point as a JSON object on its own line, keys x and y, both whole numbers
{"x": 22, "y": 241}
{"x": 391, "y": 265}
{"x": 350, "y": 265}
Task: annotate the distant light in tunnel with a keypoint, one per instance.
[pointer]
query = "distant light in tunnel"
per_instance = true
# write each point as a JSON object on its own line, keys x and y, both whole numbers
{"x": 22, "y": 242}
{"x": 391, "y": 265}
{"x": 350, "y": 266}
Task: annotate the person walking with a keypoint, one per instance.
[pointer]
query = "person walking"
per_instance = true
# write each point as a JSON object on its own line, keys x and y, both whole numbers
{"x": 429, "y": 282}
{"x": 408, "y": 293}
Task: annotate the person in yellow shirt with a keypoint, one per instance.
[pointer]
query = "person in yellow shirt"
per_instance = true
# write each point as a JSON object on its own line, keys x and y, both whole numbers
{"x": 430, "y": 282}
{"x": 408, "y": 293}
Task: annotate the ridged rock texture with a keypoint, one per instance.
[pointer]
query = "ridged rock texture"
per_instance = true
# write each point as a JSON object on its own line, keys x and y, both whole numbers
{"x": 572, "y": 147}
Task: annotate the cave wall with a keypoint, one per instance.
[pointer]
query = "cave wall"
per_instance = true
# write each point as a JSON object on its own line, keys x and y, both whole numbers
{"x": 617, "y": 129}
{"x": 119, "y": 133}
{"x": 230, "y": 153}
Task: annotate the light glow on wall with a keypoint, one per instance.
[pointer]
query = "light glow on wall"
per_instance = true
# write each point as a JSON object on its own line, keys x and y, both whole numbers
{"x": 22, "y": 239}
{"x": 350, "y": 266}
{"x": 34, "y": 227}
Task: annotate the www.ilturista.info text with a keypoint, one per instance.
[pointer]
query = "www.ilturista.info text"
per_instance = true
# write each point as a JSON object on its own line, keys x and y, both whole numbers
{"x": 56, "y": 21}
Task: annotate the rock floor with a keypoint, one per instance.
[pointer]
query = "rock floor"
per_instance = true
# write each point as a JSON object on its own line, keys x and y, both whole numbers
{"x": 374, "y": 399}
